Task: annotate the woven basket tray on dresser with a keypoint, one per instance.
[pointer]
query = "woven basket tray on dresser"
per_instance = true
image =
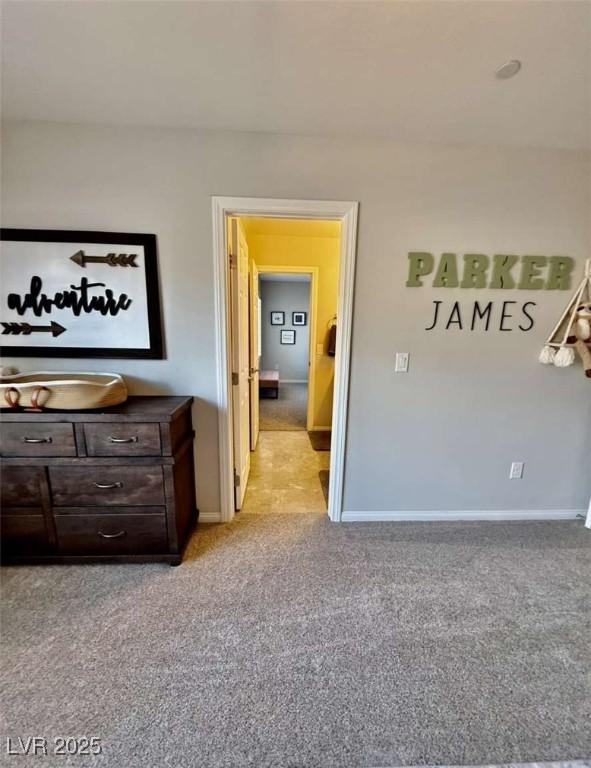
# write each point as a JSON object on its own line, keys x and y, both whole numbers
{"x": 62, "y": 390}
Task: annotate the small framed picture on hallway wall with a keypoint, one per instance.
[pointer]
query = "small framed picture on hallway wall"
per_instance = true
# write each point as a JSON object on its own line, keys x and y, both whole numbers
{"x": 299, "y": 318}
{"x": 288, "y": 337}
{"x": 277, "y": 318}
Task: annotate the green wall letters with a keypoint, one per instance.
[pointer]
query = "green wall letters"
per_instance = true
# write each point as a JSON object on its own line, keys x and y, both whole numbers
{"x": 534, "y": 272}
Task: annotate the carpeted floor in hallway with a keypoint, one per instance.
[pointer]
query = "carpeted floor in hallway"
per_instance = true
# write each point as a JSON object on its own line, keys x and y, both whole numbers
{"x": 287, "y": 640}
{"x": 287, "y": 411}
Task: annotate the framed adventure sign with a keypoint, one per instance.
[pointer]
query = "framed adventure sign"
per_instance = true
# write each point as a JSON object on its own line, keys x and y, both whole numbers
{"x": 79, "y": 294}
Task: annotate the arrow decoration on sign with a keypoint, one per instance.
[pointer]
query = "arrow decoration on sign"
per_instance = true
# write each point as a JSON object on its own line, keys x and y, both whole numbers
{"x": 112, "y": 259}
{"x": 25, "y": 329}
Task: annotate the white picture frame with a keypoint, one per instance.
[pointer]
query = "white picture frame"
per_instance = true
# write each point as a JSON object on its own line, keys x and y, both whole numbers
{"x": 288, "y": 336}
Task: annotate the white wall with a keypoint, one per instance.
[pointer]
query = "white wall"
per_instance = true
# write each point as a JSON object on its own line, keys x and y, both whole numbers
{"x": 291, "y": 360}
{"x": 441, "y": 436}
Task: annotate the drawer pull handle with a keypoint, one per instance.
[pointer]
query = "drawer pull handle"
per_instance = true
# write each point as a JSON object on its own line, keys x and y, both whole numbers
{"x": 108, "y": 486}
{"x": 37, "y": 440}
{"x": 123, "y": 439}
{"x": 117, "y": 535}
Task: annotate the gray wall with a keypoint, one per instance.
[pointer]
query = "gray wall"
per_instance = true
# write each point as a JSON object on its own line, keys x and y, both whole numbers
{"x": 288, "y": 297}
{"x": 439, "y": 437}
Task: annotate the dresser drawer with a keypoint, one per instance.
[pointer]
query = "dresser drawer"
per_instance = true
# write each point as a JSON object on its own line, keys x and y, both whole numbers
{"x": 109, "y": 485}
{"x": 122, "y": 439}
{"x": 111, "y": 534}
{"x": 20, "y": 487}
{"x": 37, "y": 439}
{"x": 23, "y": 531}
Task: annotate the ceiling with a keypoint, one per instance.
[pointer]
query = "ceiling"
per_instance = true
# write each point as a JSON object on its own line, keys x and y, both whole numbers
{"x": 413, "y": 70}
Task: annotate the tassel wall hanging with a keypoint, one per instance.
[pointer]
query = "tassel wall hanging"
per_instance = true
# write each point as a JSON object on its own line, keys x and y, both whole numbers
{"x": 573, "y": 331}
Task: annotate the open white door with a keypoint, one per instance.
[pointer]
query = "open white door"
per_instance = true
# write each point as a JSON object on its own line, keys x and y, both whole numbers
{"x": 254, "y": 355}
{"x": 240, "y": 359}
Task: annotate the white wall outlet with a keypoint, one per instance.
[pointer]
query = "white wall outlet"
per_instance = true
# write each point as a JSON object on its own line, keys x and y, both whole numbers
{"x": 516, "y": 472}
{"x": 401, "y": 364}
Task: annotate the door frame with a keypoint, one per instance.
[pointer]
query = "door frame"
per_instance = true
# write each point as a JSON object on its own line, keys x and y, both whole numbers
{"x": 254, "y": 332}
{"x": 313, "y": 312}
{"x": 344, "y": 211}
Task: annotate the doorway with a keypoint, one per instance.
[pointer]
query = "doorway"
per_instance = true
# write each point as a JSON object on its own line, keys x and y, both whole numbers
{"x": 285, "y": 355}
{"x": 305, "y": 329}
{"x": 293, "y": 267}
{"x": 237, "y": 369}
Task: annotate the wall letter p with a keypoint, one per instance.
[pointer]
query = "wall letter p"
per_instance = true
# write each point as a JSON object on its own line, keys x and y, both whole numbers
{"x": 420, "y": 264}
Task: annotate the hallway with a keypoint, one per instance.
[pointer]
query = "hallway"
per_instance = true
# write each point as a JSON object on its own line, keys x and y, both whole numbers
{"x": 285, "y": 475}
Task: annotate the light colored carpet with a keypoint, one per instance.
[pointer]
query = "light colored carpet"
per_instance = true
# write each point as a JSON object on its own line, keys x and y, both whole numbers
{"x": 288, "y": 411}
{"x": 568, "y": 764}
{"x": 287, "y": 640}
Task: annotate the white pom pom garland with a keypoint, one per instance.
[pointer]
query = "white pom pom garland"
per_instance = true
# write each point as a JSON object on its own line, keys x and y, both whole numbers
{"x": 564, "y": 357}
{"x": 547, "y": 355}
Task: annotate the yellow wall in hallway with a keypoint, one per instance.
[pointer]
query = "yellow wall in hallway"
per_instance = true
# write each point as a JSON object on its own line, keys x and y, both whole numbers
{"x": 279, "y": 242}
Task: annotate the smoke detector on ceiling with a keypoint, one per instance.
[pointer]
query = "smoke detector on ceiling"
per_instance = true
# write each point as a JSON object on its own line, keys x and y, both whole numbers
{"x": 508, "y": 69}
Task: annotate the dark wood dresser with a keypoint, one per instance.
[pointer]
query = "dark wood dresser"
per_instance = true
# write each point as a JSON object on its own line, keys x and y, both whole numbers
{"x": 98, "y": 486}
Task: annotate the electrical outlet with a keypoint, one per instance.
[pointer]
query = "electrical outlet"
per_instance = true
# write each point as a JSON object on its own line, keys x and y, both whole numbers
{"x": 516, "y": 472}
{"x": 401, "y": 364}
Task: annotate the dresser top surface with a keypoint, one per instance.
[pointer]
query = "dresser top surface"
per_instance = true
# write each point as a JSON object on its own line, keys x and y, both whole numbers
{"x": 135, "y": 408}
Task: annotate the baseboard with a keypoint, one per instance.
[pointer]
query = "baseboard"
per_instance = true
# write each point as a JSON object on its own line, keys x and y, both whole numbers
{"x": 209, "y": 517}
{"x": 320, "y": 429}
{"x": 460, "y": 514}
{"x": 433, "y": 515}
{"x": 292, "y": 381}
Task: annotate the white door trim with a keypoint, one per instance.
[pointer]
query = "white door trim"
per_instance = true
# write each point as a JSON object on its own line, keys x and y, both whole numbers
{"x": 346, "y": 213}
{"x": 313, "y": 312}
